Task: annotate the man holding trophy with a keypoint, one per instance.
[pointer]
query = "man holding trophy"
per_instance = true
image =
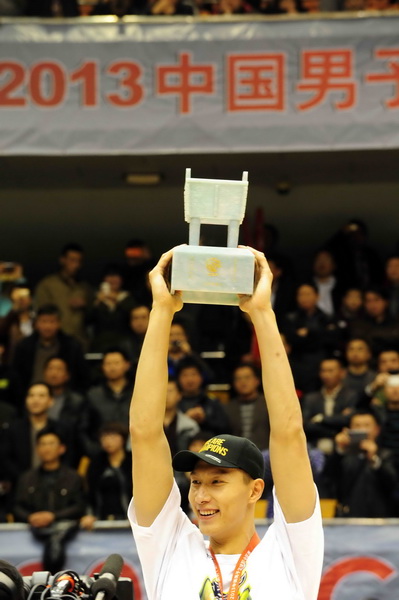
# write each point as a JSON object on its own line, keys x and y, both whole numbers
{"x": 226, "y": 475}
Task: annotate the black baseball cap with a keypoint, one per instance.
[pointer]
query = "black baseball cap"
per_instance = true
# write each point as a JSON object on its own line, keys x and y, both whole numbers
{"x": 226, "y": 451}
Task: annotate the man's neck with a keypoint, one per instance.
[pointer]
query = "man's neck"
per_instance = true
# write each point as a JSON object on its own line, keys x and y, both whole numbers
{"x": 248, "y": 397}
{"x": 333, "y": 389}
{"x": 53, "y": 465}
{"x": 47, "y": 341}
{"x": 117, "y": 385}
{"x": 58, "y": 390}
{"x": 116, "y": 458}
{"x": 38, "y": 421}
{"x": 358, "y": 369}
{"x": 232, "y": 545}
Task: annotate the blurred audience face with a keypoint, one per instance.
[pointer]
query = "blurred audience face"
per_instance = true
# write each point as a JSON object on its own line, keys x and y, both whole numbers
{"x": 375, "y": 305}
{"x": 311, "y": 5}
{"x": 49, "y": 448}
{"x": 391, "y": 390}
{"x": 388, "y": 361}
{"x": 177, "y": 336}
{"x": 47, "y": 326}
{"x": 276, "y": 271}
{"x": 56, "y": 373}
{"x": 112, "y": 442}
{"x": 307, "y": 297}
{"x": 392, "y": 270}
{"x": 114, "y": 281}
{"x": 353, "y": 300}
{"x": 331, "y": 373}
{"x": 323, "y": 264}
{"x": 190, "y": 381}
{"x": 71, "y": 263}
{"x": 21, "y": 299}
{"x": 173, "y": 395}
{"x": 358, "y": 352}
{"x": 366, "y": 423}
{"x": 115, "y": 366}
{"x": 38, "y": 400}
{"x": 139, "y": 317}
{"x": 246, "y": 383}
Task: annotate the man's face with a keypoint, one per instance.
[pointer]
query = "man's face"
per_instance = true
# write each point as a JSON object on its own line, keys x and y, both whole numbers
{"x": 38, "y": 400}
{"x": 220, "y": 499}
{"x": 388, "y": 361}
{"x": 47, "y": 326}
{"x": 173, "y": 395}
{"x": 366, "y": 423}
{"x": 392, "y": 396}
{"x": 323, "y": 265}
{"x": 56, "y": 373}
{"x": 177, "y": 336}
{"x": 139, "y": 318}
{"x": 49, "y": 448}
{"x": 357, "y": 353}
{"x": 331, "y": 373}
{"x": 115, "y": 366}
{"x": 306, "y": 297}
{"x": 71, "y": 262}
{"x": 245, "y": 381}
{"x": 353, "y": 300}
{"x": 190, "y": 380}
{"x": 374, "y": 304}
{"x": 392, "y": 270}
{"x": 112, "y": 442}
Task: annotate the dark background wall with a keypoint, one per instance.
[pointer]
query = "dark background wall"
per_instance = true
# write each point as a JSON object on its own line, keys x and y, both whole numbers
{"x": 46, "y": 202}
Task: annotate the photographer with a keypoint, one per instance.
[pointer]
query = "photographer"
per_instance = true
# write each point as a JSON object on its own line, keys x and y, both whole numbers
{"x": 363, "y": 472}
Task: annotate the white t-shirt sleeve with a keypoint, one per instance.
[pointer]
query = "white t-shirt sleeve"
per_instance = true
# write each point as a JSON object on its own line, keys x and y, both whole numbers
{"x": 156, "y": 544}
{"x": 303, "y": 547}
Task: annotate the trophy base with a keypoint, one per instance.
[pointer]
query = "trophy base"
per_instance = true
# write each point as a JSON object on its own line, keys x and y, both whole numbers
{"x": 210, "y": 298}
{"x": 212, "y": 275}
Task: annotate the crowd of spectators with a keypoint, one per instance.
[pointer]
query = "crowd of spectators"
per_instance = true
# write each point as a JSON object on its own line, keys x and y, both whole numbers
{"x": 68, "y": 352}
{"x": 120, "y": 8}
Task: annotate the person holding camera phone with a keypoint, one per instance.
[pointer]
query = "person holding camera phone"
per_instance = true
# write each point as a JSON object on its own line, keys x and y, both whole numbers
{"x": 363, "y": 472}
{"x": 226, "y": 479}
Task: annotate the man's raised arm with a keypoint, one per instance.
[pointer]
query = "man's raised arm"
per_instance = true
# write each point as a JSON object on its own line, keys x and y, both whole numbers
{"x": 152, "y": 468}
{"x": 288, "y": 451}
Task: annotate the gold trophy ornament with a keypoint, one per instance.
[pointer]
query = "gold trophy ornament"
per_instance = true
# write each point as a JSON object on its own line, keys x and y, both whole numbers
{"x": 207, "y": 274}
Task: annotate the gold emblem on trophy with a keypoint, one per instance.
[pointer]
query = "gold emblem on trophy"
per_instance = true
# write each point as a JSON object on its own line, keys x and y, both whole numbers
{"x": 212, "y": 266}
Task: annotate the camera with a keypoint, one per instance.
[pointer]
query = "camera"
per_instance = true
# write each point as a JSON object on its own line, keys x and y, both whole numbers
{"x": 356, "y": 436}
{"x": 68, "y": 585}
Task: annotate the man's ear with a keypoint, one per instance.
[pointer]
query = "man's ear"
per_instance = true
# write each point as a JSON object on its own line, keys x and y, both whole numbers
{"x": 258, "y": 485}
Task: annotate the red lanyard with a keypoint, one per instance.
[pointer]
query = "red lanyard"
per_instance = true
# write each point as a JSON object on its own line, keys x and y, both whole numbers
{"x": 233, "y": 591}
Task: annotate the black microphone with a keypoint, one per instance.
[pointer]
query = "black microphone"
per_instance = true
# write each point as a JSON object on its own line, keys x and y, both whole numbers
{"x": 104, "y": 588}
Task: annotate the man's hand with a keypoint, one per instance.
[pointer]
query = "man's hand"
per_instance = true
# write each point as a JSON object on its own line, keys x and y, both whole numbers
{"x": 369, "y": 447}
{"x": 41, "y": 518}
{"x": 161, "y": 295}
{"x": 261, "y": 298}
{"x": 87, "y": 522}
{"x": 197, "y": 413}
{"x": 342, "y": 440}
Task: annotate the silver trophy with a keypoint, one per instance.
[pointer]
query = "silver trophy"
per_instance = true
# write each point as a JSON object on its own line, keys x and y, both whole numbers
{"x": 208, "y": 274}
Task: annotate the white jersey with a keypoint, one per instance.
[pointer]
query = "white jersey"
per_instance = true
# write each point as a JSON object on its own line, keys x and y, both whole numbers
{"x": 177, "y": 565}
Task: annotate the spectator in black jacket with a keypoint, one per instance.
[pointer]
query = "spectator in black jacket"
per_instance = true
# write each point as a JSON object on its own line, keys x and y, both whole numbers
{"x": 50, "y": 498}
{"x": 109, "y": 402}
{"x": 363, "y": 471}
{"x": 195, "y": 403}
{"x": 32, "y": 353}
{"x": 109, "y": 477}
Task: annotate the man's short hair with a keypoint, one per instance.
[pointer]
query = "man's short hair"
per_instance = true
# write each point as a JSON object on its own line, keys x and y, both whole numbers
{"x": 248, "y": 365}
{"x": 49, "y": 309}
{"x": 71, "y": 247}
{"x": 114, "y": 428}
{"x": 378, "y": 291}
{"x": 40, "y": 382}
{"x": 116, "y": 350}
{"x": 188, "y": 363}
{"x": 56, "y": 357}
{"x": 308, "y": 283}
{"x": 51, "y": 430}
{"x": 367, "y": 411}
